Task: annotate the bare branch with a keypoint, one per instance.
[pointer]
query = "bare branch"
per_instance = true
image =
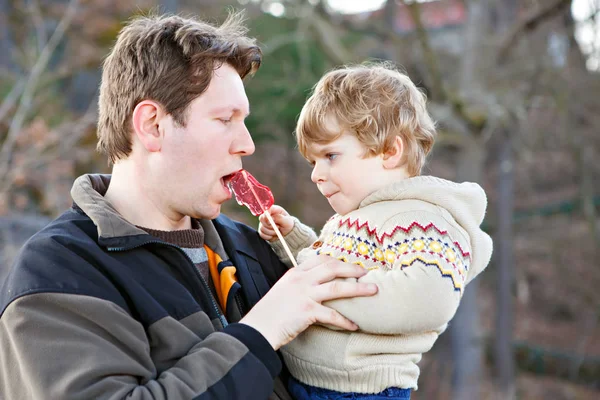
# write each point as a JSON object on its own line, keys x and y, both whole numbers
{"x": 11, "y": 99}
{"x": 529, "y": 23}
{"x": 328, "y": 38}
{"x": 280, "y": 41}
{"x": 29, "y": 90}
{"x": 38, "y": 23}
{"x": 377, "y": 31}
{"x": 68, "y": 135}
{"x": 439, "y": 92}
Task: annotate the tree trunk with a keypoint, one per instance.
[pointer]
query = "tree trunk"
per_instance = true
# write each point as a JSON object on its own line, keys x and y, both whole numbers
{"x": 467, "y": 347}
{"x": 504, "y": 357}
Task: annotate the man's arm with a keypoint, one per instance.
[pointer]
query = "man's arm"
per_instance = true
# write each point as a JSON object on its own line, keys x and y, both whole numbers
{"x": 295, "y": 301}
{"x": 59, "y": 346}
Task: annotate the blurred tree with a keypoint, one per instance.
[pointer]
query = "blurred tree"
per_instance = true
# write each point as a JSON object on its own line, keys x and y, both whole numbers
{"x": 487, "y": 104}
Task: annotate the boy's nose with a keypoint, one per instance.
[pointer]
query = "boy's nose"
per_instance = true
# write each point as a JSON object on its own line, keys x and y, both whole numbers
{"x": 317, "y": 174}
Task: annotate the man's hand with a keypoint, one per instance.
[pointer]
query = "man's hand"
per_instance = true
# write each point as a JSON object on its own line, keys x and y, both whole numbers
{"x": 295, "y": 301}
{"x": 282, "y": 219}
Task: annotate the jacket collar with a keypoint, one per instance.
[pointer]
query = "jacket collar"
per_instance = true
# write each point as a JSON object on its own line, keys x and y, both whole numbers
{"x": 222, "y": 235}
{"x": 88, "y": 195}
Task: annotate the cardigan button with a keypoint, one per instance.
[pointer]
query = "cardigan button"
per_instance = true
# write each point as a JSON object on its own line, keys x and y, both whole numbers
{"x": 317, "y": 244}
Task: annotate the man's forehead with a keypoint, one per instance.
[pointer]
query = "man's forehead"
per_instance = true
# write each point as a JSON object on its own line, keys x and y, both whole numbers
{"x": 226, "y": 91}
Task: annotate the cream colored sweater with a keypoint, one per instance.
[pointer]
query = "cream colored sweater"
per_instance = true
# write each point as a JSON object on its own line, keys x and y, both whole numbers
{"x": 421, "y": 242}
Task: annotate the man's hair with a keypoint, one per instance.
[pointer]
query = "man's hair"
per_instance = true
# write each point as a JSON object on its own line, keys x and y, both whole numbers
{"x": 168, "y": 59}
{"x": 376, "y": 103}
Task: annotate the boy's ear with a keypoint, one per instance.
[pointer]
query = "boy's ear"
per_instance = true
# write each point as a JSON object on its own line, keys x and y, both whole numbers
{"x": 146, "y": 119}
{"x": 393, "y": 156}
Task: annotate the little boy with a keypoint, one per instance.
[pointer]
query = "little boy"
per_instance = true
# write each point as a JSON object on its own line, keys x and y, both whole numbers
{"x": 366, "y": 132}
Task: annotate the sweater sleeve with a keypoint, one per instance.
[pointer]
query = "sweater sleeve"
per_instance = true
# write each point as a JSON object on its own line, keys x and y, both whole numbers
{"x": 68, "y": 346}
{"x": 299, "y": 238}
{"x": 420, "y": 282}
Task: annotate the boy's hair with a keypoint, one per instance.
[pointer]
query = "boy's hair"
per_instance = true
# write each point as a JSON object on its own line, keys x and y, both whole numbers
{"x": 168, "y": 59}
{"x": 376, "y": 103}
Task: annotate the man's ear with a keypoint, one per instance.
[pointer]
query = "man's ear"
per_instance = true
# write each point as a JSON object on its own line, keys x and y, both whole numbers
{"x": 146, "y": 118}
{"x": 393, "y": 156}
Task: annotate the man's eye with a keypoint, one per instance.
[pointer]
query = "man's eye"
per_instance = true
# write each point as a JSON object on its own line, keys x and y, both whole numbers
{"x": 225, "y": 121}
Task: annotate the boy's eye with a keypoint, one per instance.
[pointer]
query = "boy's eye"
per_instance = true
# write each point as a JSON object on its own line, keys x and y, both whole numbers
{"x": 331, "y": 156}
{"x": 225, "y": 121}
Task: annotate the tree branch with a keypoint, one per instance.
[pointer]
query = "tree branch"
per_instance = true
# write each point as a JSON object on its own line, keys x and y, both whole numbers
{"x": 29, "y": 90}
{"x": 67, "y": 135}
{"x": 529, "y": 23}
{"x": 11, "y": 98}
{"x": 439, "y": 92}
{"x": 38, "y": 23}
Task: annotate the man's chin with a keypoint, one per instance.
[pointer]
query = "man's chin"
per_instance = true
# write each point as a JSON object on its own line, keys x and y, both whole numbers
{"x": 207, "y": 214}
{"x": 215, "y": 214}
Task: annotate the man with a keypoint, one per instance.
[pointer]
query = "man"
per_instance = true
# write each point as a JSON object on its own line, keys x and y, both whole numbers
{"x": 142, "y": 290}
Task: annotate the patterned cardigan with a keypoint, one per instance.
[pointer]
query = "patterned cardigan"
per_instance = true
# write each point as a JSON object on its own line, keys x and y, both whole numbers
{"x": 421, "y": 241}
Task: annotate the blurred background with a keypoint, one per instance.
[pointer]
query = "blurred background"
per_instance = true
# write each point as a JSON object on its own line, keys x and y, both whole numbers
{"x": 513, "y": 84}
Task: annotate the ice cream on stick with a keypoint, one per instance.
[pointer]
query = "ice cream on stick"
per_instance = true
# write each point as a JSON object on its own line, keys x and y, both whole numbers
{"x": 258, "y": 198}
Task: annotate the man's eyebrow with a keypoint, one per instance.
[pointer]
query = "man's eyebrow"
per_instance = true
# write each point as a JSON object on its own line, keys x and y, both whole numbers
{"x": 231, "y": 108}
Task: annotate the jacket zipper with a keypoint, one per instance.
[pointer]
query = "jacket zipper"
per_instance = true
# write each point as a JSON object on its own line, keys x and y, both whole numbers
{"x": 220, "y": 315}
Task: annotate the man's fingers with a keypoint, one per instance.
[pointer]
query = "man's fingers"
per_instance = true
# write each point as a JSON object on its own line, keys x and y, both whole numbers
{"x": 333, "y": 268}
{"x": 313, "y": 262}
{"x": 326, "y": 315}
{"x": 339, "y": 289}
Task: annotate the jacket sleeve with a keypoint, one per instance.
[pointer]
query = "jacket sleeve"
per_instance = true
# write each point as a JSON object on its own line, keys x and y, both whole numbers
{"x": 300, "y": 237}
{"x": 69, "y": 346}
{"x": 421, "y": 288}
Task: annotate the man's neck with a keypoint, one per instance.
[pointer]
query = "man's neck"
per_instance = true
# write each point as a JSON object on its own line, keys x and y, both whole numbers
{"x": 139, "y": 207}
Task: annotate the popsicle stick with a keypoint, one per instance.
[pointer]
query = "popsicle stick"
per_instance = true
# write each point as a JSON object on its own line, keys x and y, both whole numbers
{"x": 285, "y": 246}
{"x": 279, "y": 235}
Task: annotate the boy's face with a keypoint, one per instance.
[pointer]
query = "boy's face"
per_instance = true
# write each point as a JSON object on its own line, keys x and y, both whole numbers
{"x": 342, "y": 173}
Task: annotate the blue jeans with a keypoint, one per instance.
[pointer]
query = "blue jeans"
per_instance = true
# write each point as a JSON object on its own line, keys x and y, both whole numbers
{"x": 300, "y": 391}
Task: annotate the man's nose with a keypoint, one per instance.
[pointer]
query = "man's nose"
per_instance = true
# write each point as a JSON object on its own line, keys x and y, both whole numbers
{"x": 243, "y": 143}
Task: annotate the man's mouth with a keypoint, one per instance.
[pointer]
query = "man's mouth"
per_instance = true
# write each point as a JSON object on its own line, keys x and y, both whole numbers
{"x": 226, "y": 179}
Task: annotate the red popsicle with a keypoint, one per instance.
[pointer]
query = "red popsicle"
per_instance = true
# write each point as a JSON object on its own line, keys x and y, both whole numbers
{"x": 250, "y": 193}
{"x": 258, "y": 198}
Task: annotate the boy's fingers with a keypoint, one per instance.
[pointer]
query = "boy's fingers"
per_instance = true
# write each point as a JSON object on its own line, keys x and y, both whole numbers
{"x": 277, "y": 210}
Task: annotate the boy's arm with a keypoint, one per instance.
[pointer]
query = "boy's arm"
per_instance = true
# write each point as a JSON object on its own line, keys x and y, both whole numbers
{"x": 300, "y": 237}
{"x": 422, "y": 289}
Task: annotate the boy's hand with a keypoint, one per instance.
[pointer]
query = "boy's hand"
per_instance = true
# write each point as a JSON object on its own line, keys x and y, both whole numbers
{"x": 282, "y": 219}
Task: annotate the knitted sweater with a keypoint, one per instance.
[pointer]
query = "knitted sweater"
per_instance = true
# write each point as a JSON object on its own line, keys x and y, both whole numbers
{"x": 421, "y": 242}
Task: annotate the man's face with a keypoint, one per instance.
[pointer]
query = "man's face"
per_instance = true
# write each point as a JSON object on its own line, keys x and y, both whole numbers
{"x": 197, "y": 160}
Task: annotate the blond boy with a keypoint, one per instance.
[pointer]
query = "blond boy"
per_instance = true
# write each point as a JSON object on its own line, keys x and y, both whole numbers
{"x": 366, "y": 132}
